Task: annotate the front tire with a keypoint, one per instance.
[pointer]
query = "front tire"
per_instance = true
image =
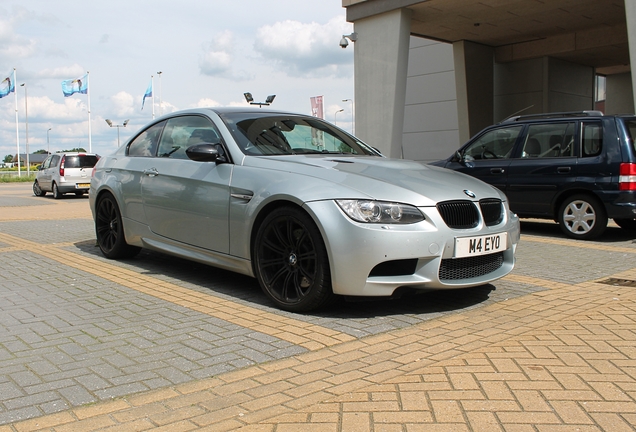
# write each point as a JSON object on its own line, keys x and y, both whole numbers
{"x": 626, "y": 224}
{"x": 291, "y": 262}
{"x": 37, "y": 190}
{"x": 582, "y": 217}
{"x": 110, "y": 230}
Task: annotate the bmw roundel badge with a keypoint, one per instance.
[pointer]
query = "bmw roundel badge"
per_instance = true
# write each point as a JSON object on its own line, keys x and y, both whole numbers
{"x": 471, "y": 194}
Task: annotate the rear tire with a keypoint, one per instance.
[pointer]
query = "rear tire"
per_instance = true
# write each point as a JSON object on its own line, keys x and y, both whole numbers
{"x": 56, "y": 191}
{"x": 627, "y": 224}
{"x": 290, "y": 261}
{"x": 110, "y": 230}
{"x": 582, "y": 217}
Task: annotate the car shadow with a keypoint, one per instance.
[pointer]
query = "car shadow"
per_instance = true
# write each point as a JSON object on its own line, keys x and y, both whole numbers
{"x": 240, "y": 287}
{"x": 49, "y": 196}
{"x": 613, "y": 233}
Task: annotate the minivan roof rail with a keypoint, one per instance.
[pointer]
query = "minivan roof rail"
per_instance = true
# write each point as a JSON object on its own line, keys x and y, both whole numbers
{"x": 590, "y": 113}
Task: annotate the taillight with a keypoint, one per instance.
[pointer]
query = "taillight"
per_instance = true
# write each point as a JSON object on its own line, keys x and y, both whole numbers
{"x": 627, "y": 178}
{"x": 62, "y": 166}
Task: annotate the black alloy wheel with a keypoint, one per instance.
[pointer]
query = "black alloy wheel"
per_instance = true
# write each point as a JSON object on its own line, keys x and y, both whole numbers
{"x": 290, "y": 261}
{"x": 110, "y": 231}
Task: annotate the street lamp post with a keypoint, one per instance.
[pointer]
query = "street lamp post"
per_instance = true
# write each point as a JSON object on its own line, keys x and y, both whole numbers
{"x": 160, "y": 100}
{"x": 335, "y": 116}
{"x": 110, "y": 123}
{"x": 26, "y": 118}
{"x": 353, "y": 130}
{"x": 48, "y": 144}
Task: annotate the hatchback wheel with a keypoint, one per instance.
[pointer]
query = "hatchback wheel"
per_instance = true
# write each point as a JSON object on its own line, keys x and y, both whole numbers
{"x": 628, "y": 224}
{"x": 290, "y": 261}
{"x": 56, "y": 191}
{"x": 37, "y": 190}
{"x": 582, "y": 217}
{"x": 110, "y": 231}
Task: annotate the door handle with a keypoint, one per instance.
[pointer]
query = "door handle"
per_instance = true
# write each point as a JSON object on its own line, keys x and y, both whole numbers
{"x": 496, "y": 170}
{"x": 564, "y": 170}
{"x": 151, "y": 172}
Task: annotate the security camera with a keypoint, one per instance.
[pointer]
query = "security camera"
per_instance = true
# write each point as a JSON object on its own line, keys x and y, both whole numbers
{"x": 344, "y": 42}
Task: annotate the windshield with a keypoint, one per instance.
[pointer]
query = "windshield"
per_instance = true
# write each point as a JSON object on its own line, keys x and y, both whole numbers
{"x": 280, "y": 134}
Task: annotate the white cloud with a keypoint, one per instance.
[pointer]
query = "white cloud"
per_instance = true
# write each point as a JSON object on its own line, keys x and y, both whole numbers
{"x": 63, "y": 72}
{"x": 123, "y": 104}
{"x": 216, "y": 59}
{"x": 206, "y": 102}
{"x": 12, "y": 45}
{"x": 305, "y": 47}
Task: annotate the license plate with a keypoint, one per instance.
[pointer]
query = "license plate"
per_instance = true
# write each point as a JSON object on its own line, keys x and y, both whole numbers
{"x": 482, "y": 245}
{"x": 82, "y": 185}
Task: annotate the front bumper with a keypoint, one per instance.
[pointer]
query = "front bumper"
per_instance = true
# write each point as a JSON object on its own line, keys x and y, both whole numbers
{"x": 357, "y": 250}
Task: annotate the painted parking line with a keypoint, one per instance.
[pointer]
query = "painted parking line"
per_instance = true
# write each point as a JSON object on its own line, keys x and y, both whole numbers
{"x": 309, "y": 336}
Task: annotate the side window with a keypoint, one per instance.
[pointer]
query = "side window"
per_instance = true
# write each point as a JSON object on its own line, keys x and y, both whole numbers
{"x": 549, "y": 140}
{"x": 55, "y": 161}
{"x": 183, "y": 132}
{"x": 592, "y": 142}
{"x": 47, "y": 162}
{"x": 494, "y": 144}
{"x": 145, "y": 144}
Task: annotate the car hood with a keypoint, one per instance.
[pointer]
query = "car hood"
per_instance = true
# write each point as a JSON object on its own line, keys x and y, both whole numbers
{"x": 380, "y": 178}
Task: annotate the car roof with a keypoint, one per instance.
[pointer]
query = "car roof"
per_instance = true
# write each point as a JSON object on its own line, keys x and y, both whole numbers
{"x": 229, "y": 110}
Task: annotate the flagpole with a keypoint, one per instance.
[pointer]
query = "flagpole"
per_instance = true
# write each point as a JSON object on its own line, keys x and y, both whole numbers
{"x": 152, "y": 88}
{"x": 17, "y": 128}
{"x": 88, "y": 98}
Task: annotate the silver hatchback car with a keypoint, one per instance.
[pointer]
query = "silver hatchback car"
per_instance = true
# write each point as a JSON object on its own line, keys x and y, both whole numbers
{"x": 62, "y": 173}
{"x": 301, "y": 205}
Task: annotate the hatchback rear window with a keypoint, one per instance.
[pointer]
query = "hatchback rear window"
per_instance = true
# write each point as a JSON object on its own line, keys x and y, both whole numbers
{"x": 81, "y": 161}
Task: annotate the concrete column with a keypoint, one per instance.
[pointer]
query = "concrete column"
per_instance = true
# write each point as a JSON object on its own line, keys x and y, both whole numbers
{"x": 474, "y": 69}
{"x": 381, "y": 62}
{"x": 630, "y": 16}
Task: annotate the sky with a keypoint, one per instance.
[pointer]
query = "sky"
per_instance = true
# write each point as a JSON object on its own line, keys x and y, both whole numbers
{"x": 208, "y": 52}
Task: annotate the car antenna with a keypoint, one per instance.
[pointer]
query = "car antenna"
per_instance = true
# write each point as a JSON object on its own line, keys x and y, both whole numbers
{"x": 515, "y": 113}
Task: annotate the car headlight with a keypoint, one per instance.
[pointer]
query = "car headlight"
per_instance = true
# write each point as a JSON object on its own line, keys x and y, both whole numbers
{"x": 380, "y": 212}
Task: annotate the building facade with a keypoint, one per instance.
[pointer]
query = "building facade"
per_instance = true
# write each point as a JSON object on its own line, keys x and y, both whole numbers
{"x": 430, "y": 74}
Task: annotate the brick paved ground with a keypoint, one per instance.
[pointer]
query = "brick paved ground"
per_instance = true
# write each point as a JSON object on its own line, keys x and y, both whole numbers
{"x": 160, "y": 343}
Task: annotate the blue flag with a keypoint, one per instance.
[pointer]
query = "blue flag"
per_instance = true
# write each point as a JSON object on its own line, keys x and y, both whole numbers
{"x": 7, "y": 85}
{"x": 72, "y": 86}
{"x": 147, "y": 94}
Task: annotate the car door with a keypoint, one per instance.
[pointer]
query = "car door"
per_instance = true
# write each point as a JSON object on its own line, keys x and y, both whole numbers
{"x": 185, "y": 200}
{"x": 544, "y": 166}
{"x": 44, "y": 178}
{"x": 487, "y": 156}
{"x": 140, "y": 155}
{"x": 49, "y": 172}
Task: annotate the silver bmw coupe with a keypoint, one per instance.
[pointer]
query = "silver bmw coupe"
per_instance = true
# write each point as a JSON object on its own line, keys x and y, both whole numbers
{"x": 307, "y": 209}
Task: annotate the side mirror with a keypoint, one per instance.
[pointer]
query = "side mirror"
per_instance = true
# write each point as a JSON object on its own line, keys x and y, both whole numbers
{"x": 457, "y": 157}
{"x": 206, "y": 152}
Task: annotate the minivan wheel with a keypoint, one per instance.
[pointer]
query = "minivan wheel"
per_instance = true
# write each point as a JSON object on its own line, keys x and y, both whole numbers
{"x": 37, "y": 190}
{"x": 628, "y": 224}
{"x": 110, "y": 231}
{"x": 582, "y": 217}
{"x": 56, "y": 191}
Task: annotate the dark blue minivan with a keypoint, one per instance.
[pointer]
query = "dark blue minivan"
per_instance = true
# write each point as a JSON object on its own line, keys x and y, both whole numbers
{"x": 576, "y": 168}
